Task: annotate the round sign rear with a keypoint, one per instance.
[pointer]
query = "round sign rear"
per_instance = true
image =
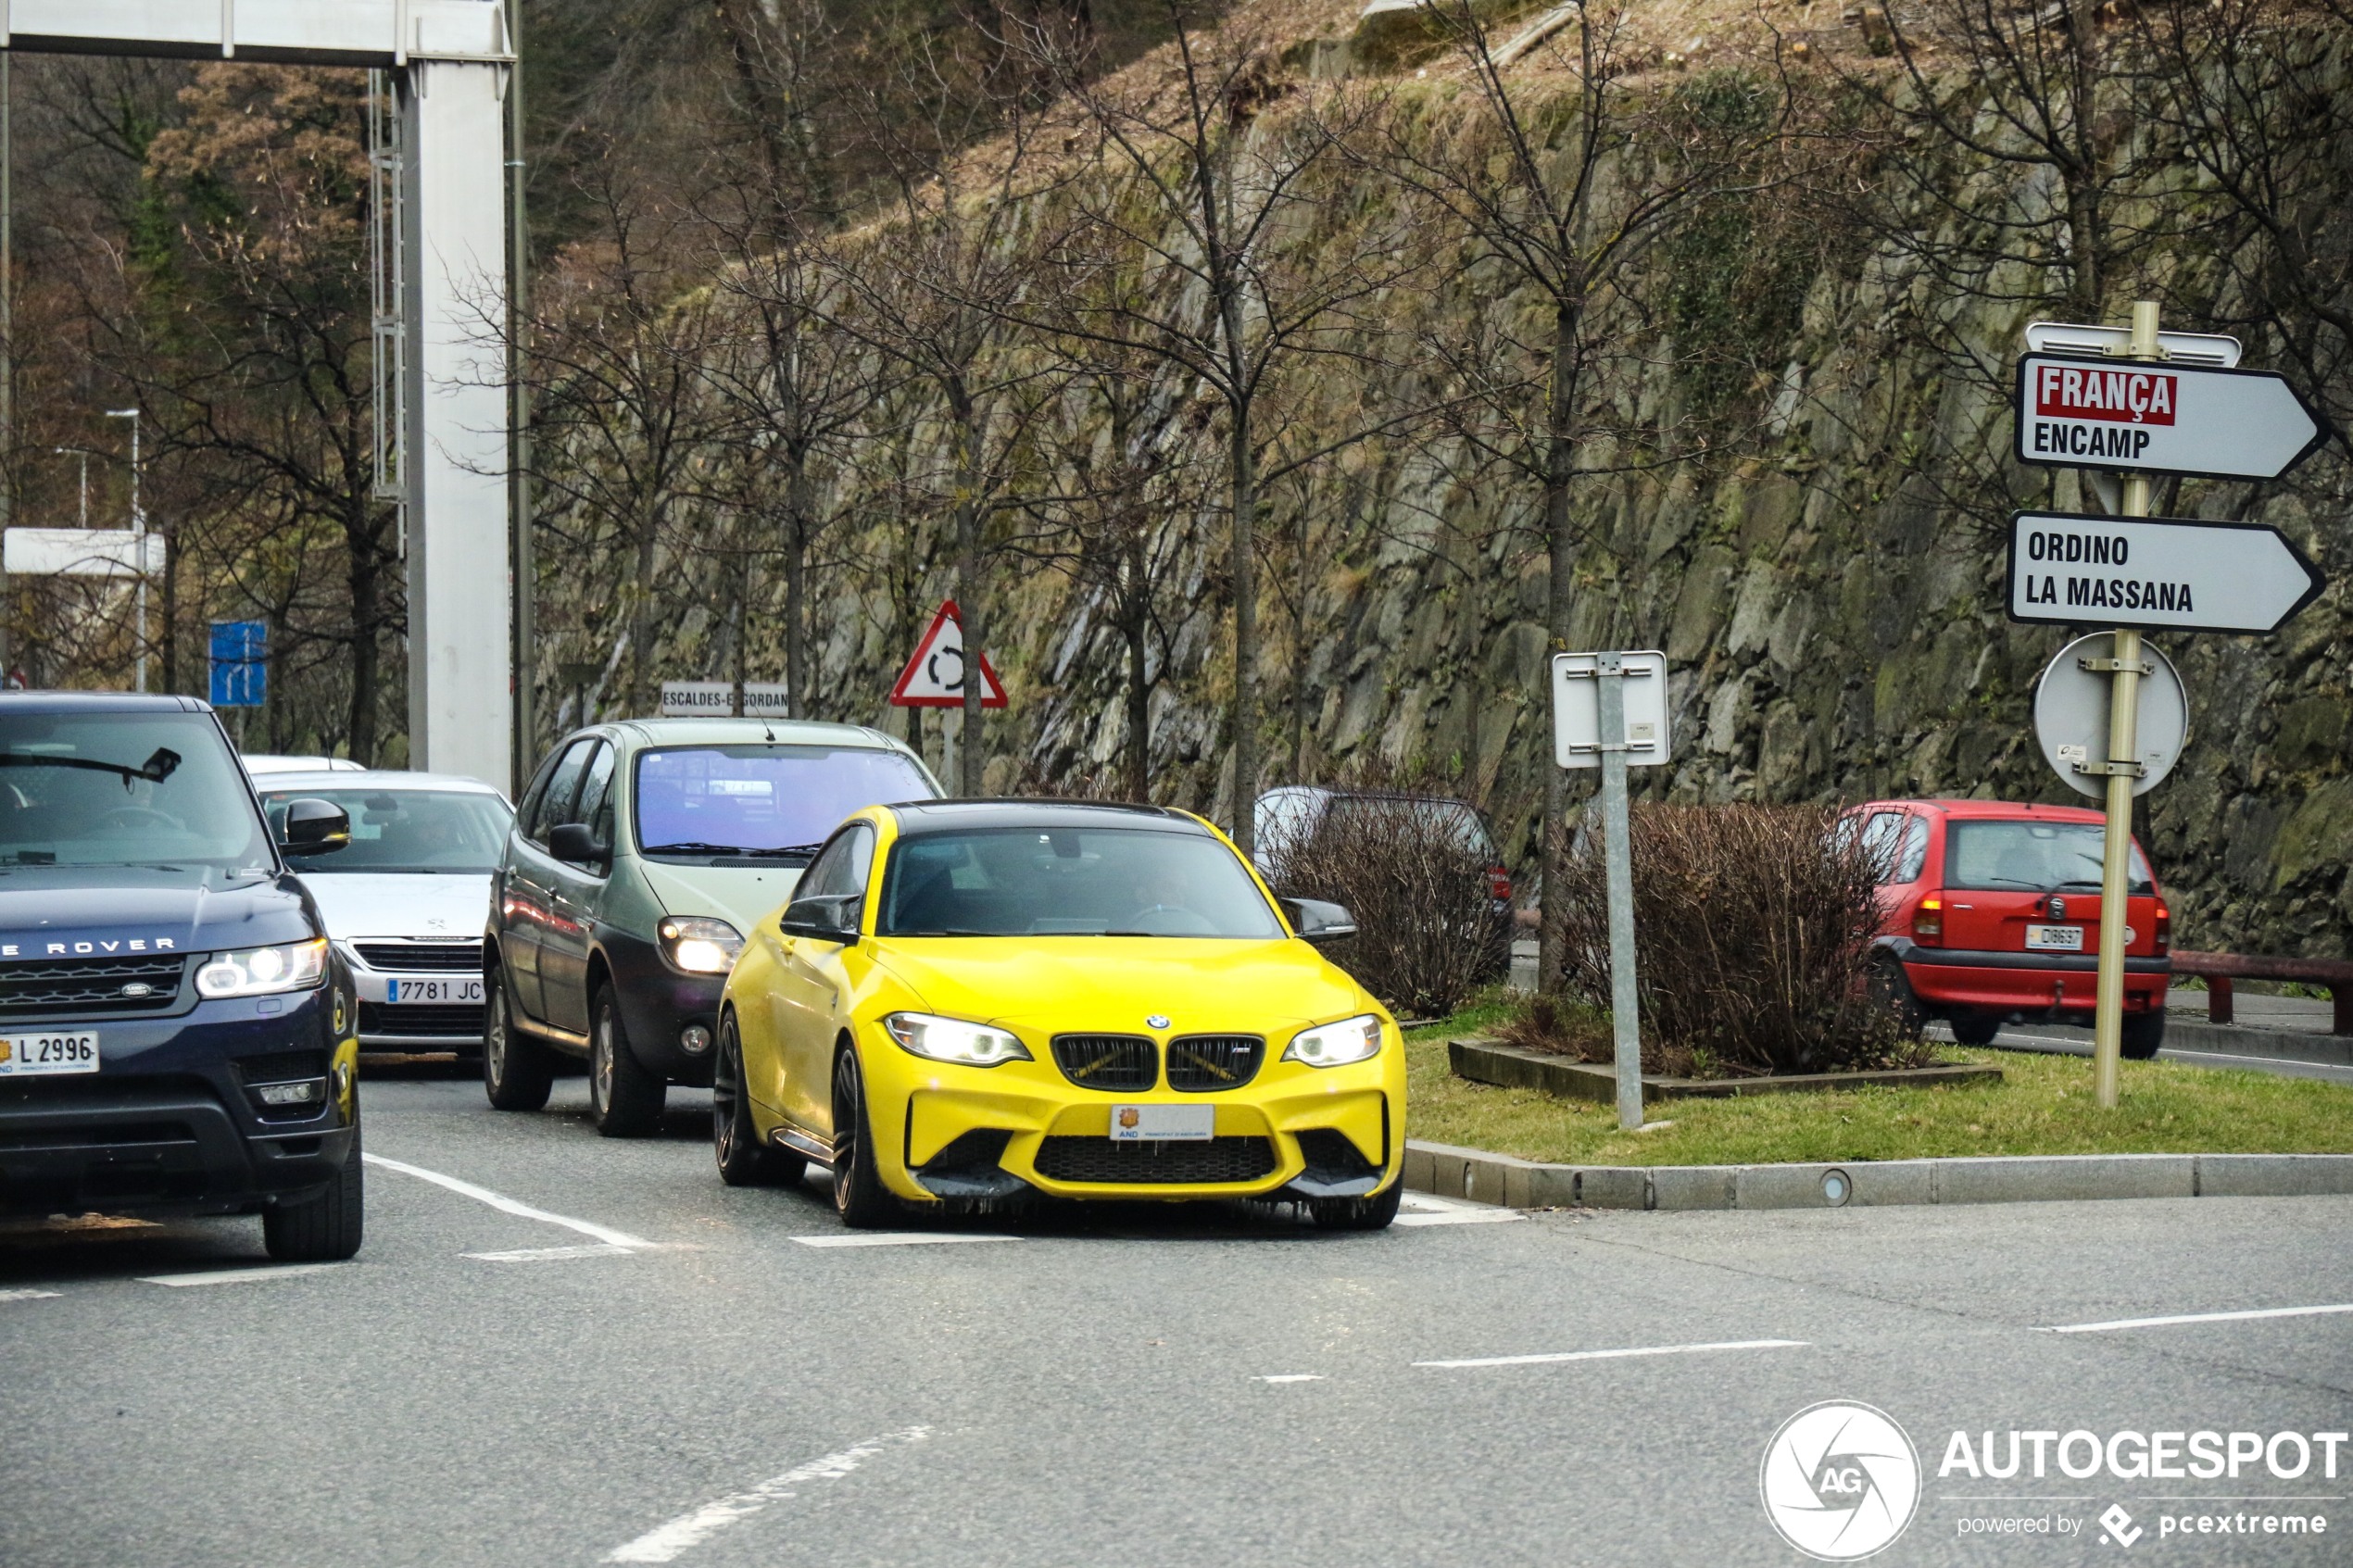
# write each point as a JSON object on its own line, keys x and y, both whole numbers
{"x": 2071, "y": 714}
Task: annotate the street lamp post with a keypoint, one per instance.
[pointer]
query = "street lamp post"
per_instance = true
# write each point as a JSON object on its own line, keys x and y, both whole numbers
{"x": 139, "y": 534}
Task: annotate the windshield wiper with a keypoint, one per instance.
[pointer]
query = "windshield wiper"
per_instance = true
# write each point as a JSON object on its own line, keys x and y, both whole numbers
{"x": 159, "y": 767}
{"x": 692, "y": 847}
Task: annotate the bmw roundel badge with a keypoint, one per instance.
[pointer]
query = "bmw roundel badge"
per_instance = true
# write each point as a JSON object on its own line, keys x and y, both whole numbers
{"x": 1156, "y": 1020}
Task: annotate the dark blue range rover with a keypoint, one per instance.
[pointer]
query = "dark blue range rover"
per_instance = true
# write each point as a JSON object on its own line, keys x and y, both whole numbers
{"x": 176, "y": 1035}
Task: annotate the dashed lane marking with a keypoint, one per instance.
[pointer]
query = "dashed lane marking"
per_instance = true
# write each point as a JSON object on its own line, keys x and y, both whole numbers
{"x": 551, "y": 1254}
{"x": 1290, "y": 1377}
{"x": 665, "y": 1542}
{"x": 29, "y": 1294}
{"x": 237, "y": 1276}
{"x": 1422, "y": 1209}
{"x": 505, "y": 1205}
{"x": 2199, "y": 1317}
{"x": 894, "y": 1238}
{"x": 1552, "y": 1356}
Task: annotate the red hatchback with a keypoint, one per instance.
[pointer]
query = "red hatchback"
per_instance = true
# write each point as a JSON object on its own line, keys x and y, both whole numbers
{"x": 1990, "y": 911}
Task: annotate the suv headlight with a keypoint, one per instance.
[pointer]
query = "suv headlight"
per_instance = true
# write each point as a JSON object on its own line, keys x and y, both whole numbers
{"x": 1337, "y": 1044}
{"x": 954, "y": 1040}
{"x": 260, "y": 971}
{"x": 700, "y": 946}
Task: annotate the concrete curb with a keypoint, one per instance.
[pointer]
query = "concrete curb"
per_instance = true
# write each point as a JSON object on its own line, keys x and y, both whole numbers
{"x": 1481, "y": 1177}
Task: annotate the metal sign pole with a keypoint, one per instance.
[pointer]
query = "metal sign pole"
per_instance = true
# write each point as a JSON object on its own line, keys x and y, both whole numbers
{"x": 2123, "y": 747}
{"x": 1618, "y": 861}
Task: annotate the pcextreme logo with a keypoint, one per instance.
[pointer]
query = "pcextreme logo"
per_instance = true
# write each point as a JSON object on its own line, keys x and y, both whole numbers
{"x": 1840, "y": 1481}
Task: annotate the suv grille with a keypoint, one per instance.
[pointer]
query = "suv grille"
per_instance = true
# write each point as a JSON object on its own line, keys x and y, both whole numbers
{"x": 1201, "y": 1064}
{"x": 437, "y": 957}
{"x": 92, "y": 986}
{"x": 424, "y": 1021}
{"x": 1107, "y": 1062}
{"x": 1204, "y": 1160}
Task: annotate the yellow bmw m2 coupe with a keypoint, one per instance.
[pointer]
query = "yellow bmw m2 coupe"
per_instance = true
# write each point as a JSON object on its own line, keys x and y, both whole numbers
{"x": 974, "y": 1000}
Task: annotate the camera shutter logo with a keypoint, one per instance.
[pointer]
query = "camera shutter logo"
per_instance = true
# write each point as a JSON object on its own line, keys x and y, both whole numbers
{"x": 1840, "y": 1481}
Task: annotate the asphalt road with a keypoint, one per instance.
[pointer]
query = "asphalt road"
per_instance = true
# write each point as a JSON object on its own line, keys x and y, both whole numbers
{"x": 645, "y": 1366}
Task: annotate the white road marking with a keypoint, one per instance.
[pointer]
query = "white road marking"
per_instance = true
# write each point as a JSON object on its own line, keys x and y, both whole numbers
{"x": 29, "y": 1294}
{"x": 1614, "y": 1355}
{"x": 549, "y": 1254}
{"x": 235, "y": 1276}
{"x": 664, "y": 1542}
{"x": 1290, "y": 1377}
{"x": 1422, "y": 1209}
{"x": 505, "y": 1205}
{"x": 894, "y": 1238}
{"x": 2197, "y": 1317}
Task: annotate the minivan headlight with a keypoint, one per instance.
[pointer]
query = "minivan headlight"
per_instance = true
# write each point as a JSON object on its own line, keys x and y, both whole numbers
{"x": 954, "y": 1040}
{"x": 1337, "y": 1044}
{"x": 700, "y": 946}
{"x": 260, "y": 972}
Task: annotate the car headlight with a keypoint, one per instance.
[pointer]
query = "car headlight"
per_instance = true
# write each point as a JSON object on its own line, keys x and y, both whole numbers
{"x": 260, "y": 972}
{"x": 700, "y": 946}
{"x": 1337, "y": 1044}
{"x": 952, "y": 1039}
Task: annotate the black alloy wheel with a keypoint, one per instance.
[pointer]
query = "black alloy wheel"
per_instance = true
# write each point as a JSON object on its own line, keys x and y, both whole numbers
{"x": 860, "y": 1197}
{"x": 1894, "y": 992}
{"x": 624, "y": 1100}
{"x": 516, "y": 1070}
{"x": 743, "y": 1160}
{"x": 326, "y": 1228}
{"x": 2143, "y": 1034}
{"x": 1976, "y": 1027}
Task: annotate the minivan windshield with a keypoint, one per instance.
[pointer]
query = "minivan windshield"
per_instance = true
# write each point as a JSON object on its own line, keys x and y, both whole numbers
{"x": 419, "y": 831}
{"x": 124, "y": 789}
{"x": 766, "y": 800}
{"x": 1070, "y": 882}
{"x": 2031, "y": 857}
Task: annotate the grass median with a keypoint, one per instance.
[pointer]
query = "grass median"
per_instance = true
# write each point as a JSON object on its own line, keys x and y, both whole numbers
{"x": 2043, "y": 1106}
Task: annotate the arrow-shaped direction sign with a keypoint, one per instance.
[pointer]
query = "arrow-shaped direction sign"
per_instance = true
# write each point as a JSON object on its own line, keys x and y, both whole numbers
{"x": 2156, "y": 572}
{"x": 2150, "y": 417}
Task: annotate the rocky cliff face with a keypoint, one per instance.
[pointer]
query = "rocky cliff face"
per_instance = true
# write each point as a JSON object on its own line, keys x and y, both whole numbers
{"x": 1828, "y": 597}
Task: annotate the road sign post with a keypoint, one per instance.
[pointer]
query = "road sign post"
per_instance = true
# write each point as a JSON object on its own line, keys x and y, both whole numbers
{"x": 1595, "y": 722}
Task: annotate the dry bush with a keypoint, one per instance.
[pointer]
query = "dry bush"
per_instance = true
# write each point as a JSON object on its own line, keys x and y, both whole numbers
{"x": 1426, "y": 926}
{"x": 1560, "y": 1026}
{"x": 1753, "y": 929}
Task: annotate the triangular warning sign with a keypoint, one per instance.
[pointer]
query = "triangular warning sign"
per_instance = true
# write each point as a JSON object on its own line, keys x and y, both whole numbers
{"x": 935, "y": 677}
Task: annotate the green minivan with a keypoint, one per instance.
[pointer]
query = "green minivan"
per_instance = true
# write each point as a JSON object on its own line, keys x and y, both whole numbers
{"x": 641, "y": 854}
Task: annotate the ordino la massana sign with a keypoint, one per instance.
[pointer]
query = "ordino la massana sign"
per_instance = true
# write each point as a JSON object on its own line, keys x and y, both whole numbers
{"x": 2152, "y": 572}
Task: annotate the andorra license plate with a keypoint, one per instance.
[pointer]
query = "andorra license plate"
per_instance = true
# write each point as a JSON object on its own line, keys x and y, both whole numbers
{"x": 24, "y": 1056}
{"x": 2054, "y": 938}
{"x": 432, "y": 988}
{"x": 1162, "y": 1123}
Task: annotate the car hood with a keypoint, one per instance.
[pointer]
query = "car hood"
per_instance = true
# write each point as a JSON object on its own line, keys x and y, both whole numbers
{"x": 1049, "y": 983}
{"x": 738, "y": 895}
{"x": 74, "y": 911}
{"x": 359, "y": 904}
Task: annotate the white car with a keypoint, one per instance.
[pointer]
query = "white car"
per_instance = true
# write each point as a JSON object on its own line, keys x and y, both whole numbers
{"x": 405, "y": 901}
{"x": 262, "y": 764}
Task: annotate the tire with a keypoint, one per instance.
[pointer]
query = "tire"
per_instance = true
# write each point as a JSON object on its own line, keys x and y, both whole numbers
{"x": 325, "y": 1229}
{"x": 1976, "y": 1028}
{"x": 743, "y": 1160}
{"x": 2144, "y": 1033}
{"x": 1372, "y": 1213}
{"x": 517, "y": 1071}
{"x": 624, "y": 1100}
{"x": 860, "y": 1197}
{"x": 1894, "y": 992}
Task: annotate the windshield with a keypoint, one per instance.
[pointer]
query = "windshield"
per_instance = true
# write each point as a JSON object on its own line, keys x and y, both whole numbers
{"x": 124, "y": 789}
{"x": 1076, "y": 882}
{"x": 763, "y": 799}
{"x": 407, "y": 830}
{"x": 2033, "y": 858}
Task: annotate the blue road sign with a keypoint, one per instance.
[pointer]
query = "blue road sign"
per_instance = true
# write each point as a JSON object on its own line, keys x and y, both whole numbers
{"x": 240, "y": 663}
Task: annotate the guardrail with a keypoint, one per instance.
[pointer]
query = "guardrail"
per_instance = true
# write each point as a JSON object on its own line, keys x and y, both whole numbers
{"x": 2218, "y": 969}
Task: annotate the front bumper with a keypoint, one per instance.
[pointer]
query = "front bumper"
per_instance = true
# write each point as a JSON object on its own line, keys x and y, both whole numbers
{"x": 168, "y": 1123}
{"x": 658, "y": 1003}
{"x": 943, "y": 1132}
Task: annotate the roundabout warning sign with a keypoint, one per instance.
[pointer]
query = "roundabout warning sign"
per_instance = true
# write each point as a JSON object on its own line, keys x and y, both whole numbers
{"x": 935, "y": 677}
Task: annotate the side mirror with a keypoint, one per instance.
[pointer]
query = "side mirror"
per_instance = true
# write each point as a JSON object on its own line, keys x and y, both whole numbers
{"x": 314, "y": 827}
{"x": 829, "y": 917}
{"x": 574, "y": 845}
{"x": 1317, "y": 920}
